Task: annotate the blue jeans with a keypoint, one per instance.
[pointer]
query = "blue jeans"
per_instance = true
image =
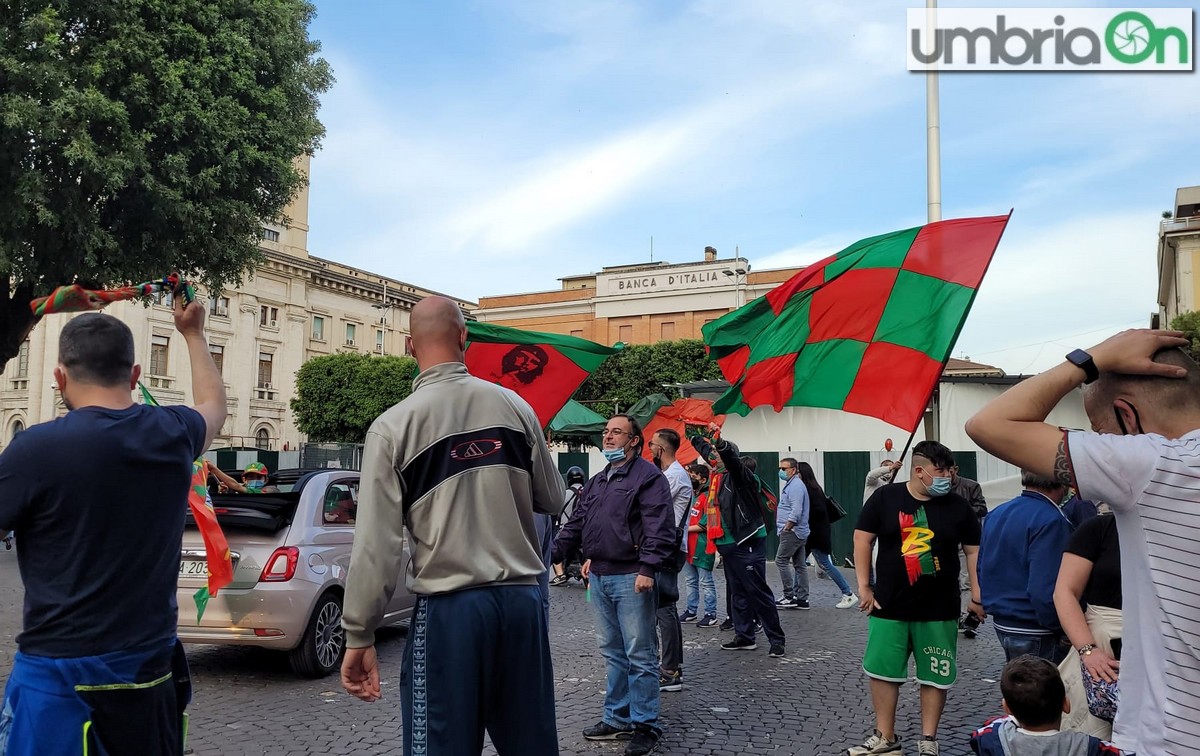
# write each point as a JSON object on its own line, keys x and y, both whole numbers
{"x": 625, "y": 632}
{"x": 699, "y": 579}
{"x": 1044, "y": 646}
{"x": 826, "y": 564}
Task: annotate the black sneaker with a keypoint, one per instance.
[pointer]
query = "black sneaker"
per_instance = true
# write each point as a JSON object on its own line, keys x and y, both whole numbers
{"x": 560, "y": 580}
{"x": 710, "y": 620}
{"x": 757, "y": 627}
{"x": 670, "y": 682}
{"x": 740, "y": 644}
{"x": 787, "y": 603}
{"x": 801, "y": 605}
{"x": 687, "y": 617}
{"x": 605, "y": 731}
{"x": 727, "y": 624}
{"x": 644, "y": 741}
{"x": 776, "y": 650}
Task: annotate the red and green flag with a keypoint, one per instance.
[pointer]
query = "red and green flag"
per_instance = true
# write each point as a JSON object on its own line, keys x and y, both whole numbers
{"x": 867, "y": 330}
{"x": 546, "y": 369}
{"x": 216, "y": 548}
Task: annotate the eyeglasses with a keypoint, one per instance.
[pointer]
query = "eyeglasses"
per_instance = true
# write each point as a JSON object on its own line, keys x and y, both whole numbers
{"x": 614, "y": 432}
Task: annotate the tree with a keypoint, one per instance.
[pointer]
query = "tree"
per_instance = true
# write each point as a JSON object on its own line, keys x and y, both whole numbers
{"x": 640, "y": 370}
{"x": 142, "y": 137}
{"x": 1189, "y": 323}
{"x": 338, "y": 396}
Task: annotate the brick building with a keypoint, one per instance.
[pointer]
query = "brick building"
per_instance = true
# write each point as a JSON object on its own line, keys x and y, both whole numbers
{"x": 637, "y": 304}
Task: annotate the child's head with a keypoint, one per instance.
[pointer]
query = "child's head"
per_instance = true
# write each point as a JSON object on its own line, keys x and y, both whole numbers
{"x": 1034, "y": 693}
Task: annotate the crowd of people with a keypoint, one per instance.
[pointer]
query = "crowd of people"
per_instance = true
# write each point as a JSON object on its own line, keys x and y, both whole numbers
{"x": 1088, "y": 576}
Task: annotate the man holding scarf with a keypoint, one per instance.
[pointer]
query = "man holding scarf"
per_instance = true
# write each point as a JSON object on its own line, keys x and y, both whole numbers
{"x": 742, "y": 543}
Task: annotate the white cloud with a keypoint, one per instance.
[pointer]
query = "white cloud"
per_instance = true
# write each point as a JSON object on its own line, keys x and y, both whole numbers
{"x": 1085, "y": 276}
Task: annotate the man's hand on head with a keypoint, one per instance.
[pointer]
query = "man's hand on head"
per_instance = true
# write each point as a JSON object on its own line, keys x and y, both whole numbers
{"x": 1131, "y": 353}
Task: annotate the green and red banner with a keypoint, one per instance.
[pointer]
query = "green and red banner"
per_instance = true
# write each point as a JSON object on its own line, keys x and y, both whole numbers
{"x": 867, "y": 330}
{"x": 546, "y": 369}
{"x": 216, "y": 548}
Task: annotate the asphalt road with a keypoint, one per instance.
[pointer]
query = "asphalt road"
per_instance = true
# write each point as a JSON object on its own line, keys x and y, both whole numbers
{"x": 813, "y": 701}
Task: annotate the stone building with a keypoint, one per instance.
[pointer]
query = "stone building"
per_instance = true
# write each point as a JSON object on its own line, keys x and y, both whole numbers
{"x": 293, "y": 307}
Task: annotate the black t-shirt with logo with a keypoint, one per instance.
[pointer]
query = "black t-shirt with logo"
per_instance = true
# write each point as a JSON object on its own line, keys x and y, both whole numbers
{"x": 916, "y": 573}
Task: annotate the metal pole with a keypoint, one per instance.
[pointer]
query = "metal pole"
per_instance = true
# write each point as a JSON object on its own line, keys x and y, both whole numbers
{"x": 933, "y": 129}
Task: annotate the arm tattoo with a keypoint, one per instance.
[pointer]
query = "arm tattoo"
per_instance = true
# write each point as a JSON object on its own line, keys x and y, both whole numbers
{"x": 1062, "y": 465}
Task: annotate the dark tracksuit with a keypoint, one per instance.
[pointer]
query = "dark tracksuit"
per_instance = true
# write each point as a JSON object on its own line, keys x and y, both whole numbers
{"x": 740, "y": 502}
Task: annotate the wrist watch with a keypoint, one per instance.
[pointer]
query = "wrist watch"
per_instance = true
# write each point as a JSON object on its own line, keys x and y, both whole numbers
{"x": 1087, "y": 650}
{"x": 1084, "y": 362}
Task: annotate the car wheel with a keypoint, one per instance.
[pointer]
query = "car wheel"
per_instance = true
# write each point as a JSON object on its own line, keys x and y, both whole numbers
{"x": 320, "y": 651}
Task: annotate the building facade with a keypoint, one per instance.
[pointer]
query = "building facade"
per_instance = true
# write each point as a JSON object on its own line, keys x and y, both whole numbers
{"x": 292, "y": 308}
{"x": 637, "y": 304}
{"x": 1179, "y": 258}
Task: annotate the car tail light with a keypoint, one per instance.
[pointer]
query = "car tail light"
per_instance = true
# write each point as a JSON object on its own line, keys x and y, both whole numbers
{"x": 281, "y": 566}
{"x": 267, "y": 632}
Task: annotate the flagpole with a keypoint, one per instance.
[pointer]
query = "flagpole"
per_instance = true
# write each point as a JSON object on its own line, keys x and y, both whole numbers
{"x": 933, "y": 179}
{"x": 933, "y": 129}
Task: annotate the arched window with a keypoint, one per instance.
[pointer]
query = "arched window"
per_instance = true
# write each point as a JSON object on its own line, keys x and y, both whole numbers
{"x": 17, "y": 427}
{"x": 262, "y": 438}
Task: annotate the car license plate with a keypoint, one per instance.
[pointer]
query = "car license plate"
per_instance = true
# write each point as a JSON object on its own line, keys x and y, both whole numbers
{"x": 193, "y": 568}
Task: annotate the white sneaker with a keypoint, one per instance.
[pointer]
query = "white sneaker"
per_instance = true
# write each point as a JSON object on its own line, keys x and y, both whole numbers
{"x": 927, "y": 747}
{"x": 848, "y": 601}
{"x": 876, "y": 744}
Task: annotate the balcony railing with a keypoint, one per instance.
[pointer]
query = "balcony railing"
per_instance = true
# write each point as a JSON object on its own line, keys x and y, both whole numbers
{"x": 1171, "y": 225}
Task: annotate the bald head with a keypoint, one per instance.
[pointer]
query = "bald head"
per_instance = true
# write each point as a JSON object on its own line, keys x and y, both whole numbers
{"x": 439, "y": 332}
{"x": 1168, "y": 406}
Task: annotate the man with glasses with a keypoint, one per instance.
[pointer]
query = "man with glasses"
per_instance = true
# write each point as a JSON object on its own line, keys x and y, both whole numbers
{"x": 625, "y": 524}
{"x": 913, "y": 608}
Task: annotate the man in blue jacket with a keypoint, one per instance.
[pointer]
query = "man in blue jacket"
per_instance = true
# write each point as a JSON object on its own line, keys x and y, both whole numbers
{"x": 1019, "y": 555}
{"x": 625, "y": 524}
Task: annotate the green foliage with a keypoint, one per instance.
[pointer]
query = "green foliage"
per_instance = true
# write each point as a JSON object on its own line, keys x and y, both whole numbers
{"x": 338, "y": 396}
{"x": 1189, "y": 323}
{"x": 138, "y": 137}
{"x": 641, "y": 370}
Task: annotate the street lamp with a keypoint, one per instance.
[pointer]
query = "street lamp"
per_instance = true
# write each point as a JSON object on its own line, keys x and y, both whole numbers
{"x": 739, "y": 277}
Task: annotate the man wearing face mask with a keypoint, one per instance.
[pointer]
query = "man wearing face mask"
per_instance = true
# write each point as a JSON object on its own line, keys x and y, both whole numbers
{"x": 920, "y": 526}
{"x": 1142, "y": 457}
{"x": 625, "y": 524}
{"x": 1019, "y": 556}
{"x": 254, "y": 479}
{"x": 663, "y": 446}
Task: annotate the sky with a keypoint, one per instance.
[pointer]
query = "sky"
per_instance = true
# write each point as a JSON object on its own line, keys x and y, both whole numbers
{"x": 486, "y": 148}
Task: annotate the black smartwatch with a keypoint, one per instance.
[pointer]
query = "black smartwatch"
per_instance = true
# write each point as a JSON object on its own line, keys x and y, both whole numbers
{"x": 1083, "y": 361}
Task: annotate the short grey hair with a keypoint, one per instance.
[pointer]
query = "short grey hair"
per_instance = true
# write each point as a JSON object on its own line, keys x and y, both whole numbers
{"x": 1035, "y": 481}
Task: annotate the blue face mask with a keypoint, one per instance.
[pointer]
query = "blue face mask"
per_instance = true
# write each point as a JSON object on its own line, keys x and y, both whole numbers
{"x": 939, "y": 487}
{"x": 614, "y": 455}
{"x": 783, "y": 475}
{"x": 255, "y": 485}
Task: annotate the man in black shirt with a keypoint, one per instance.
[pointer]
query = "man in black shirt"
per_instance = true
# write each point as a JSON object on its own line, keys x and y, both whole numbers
{"x": 920, "y": 526}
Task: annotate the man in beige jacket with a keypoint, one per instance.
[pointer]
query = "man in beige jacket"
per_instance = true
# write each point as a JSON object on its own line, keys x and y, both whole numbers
{"x": 463, "y": 466}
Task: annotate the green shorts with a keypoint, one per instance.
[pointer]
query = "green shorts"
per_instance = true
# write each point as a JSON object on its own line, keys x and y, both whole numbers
{"x": 931, "y": 644}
